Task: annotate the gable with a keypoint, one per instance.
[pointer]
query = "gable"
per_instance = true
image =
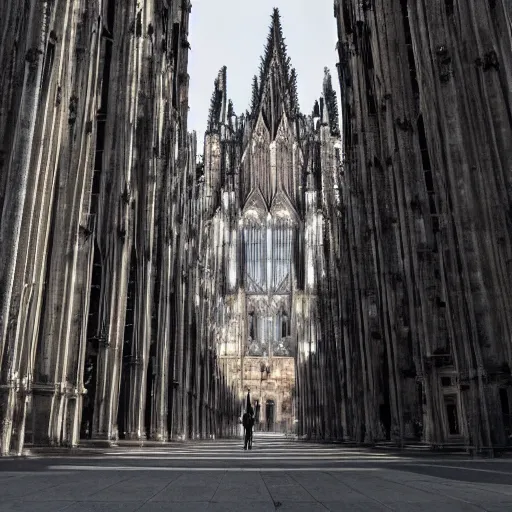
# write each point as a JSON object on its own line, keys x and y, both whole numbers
{"x": 282, "y": 208}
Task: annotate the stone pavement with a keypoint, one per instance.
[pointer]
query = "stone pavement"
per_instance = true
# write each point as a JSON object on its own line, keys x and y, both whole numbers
{"x": 278, "y": 474}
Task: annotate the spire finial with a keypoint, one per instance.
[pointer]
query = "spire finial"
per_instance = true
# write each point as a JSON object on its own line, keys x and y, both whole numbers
{"x": 276, "y": 17}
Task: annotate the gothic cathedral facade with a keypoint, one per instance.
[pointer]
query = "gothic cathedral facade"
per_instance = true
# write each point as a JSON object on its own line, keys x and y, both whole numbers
{"x": 264, "y": 174}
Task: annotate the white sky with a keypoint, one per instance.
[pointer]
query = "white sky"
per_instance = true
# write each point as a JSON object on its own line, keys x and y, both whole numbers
{"x": 233, "y": 33}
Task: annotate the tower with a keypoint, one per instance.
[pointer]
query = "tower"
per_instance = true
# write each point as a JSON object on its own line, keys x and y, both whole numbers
{"x": 263, "y": 174}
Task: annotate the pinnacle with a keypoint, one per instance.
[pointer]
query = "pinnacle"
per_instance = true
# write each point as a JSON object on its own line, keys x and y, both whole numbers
{"x": 276, "y": 19}
{"x": 217, "y": 101}
{"x": 222, "y": 76}
{"x": 331, "y": 102}
{"x": 327, "y": 78}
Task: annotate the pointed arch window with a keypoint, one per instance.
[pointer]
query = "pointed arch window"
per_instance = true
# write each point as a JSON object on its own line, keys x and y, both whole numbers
{"x": 281, "y": 256}
{"x": 285, "y": 325}
{"x": 255, "y": 249}
{"x": 280, "y": 340}
{"x": 252, "y": 325}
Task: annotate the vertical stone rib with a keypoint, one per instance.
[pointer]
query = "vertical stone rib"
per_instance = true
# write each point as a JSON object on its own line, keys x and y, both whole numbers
{"x": 19, "y": 164}
{"x": 423, "y": 273}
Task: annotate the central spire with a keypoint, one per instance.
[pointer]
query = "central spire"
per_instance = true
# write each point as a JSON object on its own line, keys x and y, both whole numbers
{"x": 275, "y": 47}
{"x": 275, "y": 90}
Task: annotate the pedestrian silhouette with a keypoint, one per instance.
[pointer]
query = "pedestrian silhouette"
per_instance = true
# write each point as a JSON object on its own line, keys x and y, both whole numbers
{"x": 248, "y": 423}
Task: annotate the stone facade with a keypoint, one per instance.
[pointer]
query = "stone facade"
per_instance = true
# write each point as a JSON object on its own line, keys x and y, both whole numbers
{"x": 358, "y": 288}
{"x": 99, "y": 329}
{"x": 263, "y": 184}
{"x": 418, "y": 339}
{"x": 271, "y": 384}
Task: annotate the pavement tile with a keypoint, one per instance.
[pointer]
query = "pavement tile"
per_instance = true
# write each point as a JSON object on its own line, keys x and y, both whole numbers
{"x": 79, "y": 490}
{"x": 21, "y": 487}
{"x": 401, "y": 477}
{"x": 142, "y": 487}
{"x": 333, "y": 491}
{"x": 293, "y": 493}
{"x": 102, "y": 506}
{"x": 452, "y": 506}
{"x": 345, "y": 495}
{"x": 242, "y": 505}
{"x": 362, "y": 506}
{"x": 325, "y": 487}
{"x": 293, "y": 506}
{"x": 277, "y": 479}
{"x": 23, "y": 506}
{"x": 501, "y": 489}
{"x": 186, "y": 493}
{"x": 190, "y": 487}
{"x": 4, "y": 477}
{"x": 500, "y": 507}
{"x": 464, "y": 492}
{"x": 197, "y": 478}
{"x": 405, "y": 495}
{"x": 241, "y": 492}
{"x": 242, "y": 487}
{"x": 386, "y": 491}
{"x": 160, "y": 506}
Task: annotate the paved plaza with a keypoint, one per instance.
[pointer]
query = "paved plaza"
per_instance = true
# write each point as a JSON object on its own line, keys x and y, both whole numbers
{"x": 278, "y": 474}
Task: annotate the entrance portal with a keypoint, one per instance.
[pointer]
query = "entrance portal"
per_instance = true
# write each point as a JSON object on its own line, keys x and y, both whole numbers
{"x": 270, "y": 415}
{"x": 452, "y": 415}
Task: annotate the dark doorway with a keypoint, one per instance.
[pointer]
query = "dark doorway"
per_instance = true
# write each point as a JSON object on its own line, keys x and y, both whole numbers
{"x": 452, "y": 416}
{"x": 385, "y": 418}
{"x": 507, "y": 417}
{"x": 270, "y": 414}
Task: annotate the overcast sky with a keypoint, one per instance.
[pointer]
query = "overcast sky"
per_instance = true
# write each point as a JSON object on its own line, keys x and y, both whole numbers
{"x": 233, "y": 33}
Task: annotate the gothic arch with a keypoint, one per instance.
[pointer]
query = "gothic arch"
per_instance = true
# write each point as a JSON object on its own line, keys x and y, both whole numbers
{"x": 282, "y": 209}
{"x": 255, "y": 209}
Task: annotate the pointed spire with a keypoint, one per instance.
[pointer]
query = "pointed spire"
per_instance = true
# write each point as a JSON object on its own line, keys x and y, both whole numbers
{"x": 214, "y": 107}
{"x": 219, "y": 107}
{"x": 316, "y": 109}
{"x": 331, "y": 103}
{"x": 294, "y": 95}
{"x": 280, "y": 41}
{"x": 275, "y": 56}
{"x": 231, "y": 116}
{"x": 276, "y": 17}
{"x": 255, "y": 101}
{"x": 231, "y": 109}
{"x": 275, "y": 41}
{"x": 223, "y": 90}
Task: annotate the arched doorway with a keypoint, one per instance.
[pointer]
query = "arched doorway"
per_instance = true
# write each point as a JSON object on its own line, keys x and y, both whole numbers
{"x": 270, "y": 418}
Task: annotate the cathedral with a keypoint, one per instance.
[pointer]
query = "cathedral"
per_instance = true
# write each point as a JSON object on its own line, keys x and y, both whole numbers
{"x": 352, "y": 276}
{"x": 264, "y": 174}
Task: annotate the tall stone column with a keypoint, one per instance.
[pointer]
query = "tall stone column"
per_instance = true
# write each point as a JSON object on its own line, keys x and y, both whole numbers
{"x": 110, "y": 353}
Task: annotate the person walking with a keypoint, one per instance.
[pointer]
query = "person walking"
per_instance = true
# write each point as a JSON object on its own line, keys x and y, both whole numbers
{"x": 248, "y": 423}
